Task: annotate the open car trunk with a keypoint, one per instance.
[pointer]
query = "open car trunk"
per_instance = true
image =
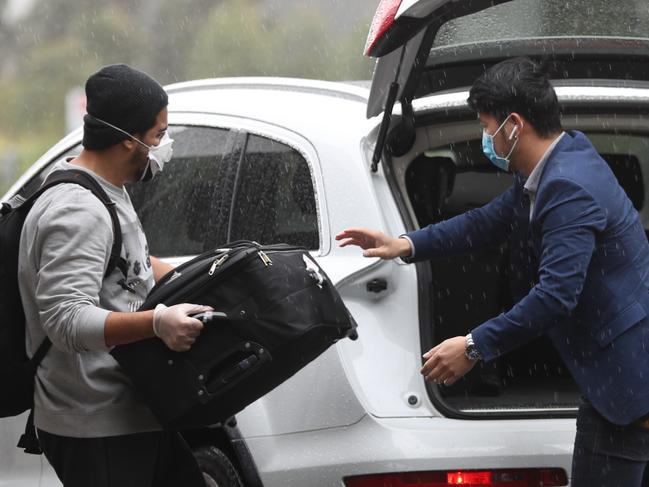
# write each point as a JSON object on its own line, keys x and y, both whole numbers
{"x": 448, "y": 175}
{"x": 598, "y": 57}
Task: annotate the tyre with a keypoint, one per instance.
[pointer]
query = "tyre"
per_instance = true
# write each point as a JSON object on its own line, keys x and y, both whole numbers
{"x": 217, "y": 468}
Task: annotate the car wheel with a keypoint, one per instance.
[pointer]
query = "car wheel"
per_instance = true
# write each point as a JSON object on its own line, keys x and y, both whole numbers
{"x": 217, "y": 468}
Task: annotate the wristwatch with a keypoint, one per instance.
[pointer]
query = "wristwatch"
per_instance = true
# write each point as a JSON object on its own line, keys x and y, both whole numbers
{"x": 471, "y": 351}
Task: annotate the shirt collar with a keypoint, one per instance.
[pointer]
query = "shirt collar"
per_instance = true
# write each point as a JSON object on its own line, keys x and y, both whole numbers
{"x": 532, "y": 183}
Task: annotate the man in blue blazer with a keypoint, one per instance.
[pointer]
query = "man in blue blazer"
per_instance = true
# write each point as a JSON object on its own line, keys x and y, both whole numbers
{"x": 591, "y": 295}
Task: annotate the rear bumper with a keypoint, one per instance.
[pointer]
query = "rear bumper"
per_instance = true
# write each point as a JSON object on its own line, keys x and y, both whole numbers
{"x": 373, "y": 445}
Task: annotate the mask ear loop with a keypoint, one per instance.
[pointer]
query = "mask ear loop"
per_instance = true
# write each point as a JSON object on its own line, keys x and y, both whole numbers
{"x": 511, "y": 136}
{"x": 515, "y": 130}
{"x": 120, "y": 130}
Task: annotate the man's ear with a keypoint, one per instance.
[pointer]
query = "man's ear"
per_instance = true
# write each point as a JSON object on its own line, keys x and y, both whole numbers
{"x": 519, "y": 123}
{"x": 129, "y": 144}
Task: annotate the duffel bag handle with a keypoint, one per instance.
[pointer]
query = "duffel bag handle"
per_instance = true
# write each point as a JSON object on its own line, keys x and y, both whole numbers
{"x": 240, "y": 243}
{"x": 242, "y": 361}
{"x": 251, "y": 243}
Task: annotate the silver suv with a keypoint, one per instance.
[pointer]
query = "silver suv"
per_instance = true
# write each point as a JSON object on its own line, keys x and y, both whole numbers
{"x": 284, "y": 160}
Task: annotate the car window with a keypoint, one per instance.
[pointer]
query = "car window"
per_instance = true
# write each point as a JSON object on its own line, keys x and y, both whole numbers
{"x": 548, "y": 18}
{"x": 185, "y": 209}
{"x": 274, "y": 197}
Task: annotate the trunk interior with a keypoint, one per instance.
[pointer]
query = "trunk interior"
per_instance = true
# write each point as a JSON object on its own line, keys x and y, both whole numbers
{"x": 449, "y": 175}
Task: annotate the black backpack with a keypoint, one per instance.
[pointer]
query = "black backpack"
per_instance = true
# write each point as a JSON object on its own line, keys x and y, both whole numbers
{"x": 17, "y": 371}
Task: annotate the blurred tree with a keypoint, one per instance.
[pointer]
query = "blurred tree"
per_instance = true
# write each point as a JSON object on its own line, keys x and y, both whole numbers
{"x": 240, "y": 38}
{"x": 35, "y": 104}
{"x": 60, "y": 42}
{"x": 174, "y": 32}
{"x": 233, "y": 40}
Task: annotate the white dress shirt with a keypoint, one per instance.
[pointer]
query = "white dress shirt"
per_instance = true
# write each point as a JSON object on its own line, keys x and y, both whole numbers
{"x": 532, "y": 183}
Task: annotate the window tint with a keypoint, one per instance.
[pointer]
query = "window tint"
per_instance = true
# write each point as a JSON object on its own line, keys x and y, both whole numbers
{"x": 274, "y": 198}
{"x": 548, "y": 18}
{"x": 185, "y": 209}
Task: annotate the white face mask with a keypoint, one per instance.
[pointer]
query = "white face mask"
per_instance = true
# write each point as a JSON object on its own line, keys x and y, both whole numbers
{"x": 159, "y": 154}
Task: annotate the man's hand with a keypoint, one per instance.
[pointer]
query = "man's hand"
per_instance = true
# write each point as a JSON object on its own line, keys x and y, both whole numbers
{"x": 174, "y": 326}
{"x": 446, "y": 362}
{"x": 375, "y": 243}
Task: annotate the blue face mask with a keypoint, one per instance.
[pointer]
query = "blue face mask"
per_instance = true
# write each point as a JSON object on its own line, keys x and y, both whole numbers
{"x": 490, "y": 152}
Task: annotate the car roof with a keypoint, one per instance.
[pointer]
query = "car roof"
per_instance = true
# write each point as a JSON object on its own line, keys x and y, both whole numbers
{"x": 350, "y": 89}
{"x": 298, "y": 104}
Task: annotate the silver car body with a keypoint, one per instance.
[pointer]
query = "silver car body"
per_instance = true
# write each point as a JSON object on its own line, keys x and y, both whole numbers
{"x": 361, "y": 407}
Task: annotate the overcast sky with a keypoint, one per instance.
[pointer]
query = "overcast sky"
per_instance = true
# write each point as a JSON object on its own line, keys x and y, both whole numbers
{"x": 345, "y": 11}
{"x": 16, "y": 9}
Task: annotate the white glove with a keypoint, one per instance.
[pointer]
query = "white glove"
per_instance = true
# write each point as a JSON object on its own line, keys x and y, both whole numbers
{"x": 174, "y": 326}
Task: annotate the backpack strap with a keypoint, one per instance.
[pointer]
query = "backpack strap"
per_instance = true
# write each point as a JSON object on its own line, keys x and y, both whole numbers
{"x": 29, "y": 439}
{"x": 85, "y": 180}
{"x": 41, "y": 352}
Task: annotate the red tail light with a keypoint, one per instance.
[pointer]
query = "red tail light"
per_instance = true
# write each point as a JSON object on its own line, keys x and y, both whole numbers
{"x": 469, "y": 478}
{"x": 382, "y": 21}
{"x": 531, "y": 477}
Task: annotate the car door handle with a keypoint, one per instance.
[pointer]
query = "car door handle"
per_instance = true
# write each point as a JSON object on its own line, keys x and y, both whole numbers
{"x": 376, "y": 285}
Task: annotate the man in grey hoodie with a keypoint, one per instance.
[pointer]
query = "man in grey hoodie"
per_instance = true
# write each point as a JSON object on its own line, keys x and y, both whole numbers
{"x": 93, "y": 428}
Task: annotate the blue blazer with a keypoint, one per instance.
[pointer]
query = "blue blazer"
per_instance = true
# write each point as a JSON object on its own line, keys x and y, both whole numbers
{"x": 591, "y": 295}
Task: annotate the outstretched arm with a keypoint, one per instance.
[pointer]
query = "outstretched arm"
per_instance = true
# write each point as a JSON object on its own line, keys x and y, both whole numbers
{"x": 570, "y": 222}
{"x": 375, "y": 243}
{"x": 474, "y": 229}
{"x": 483, "y": 226}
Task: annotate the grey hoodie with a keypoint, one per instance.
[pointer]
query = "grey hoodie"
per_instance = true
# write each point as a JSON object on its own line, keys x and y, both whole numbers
{"x": 65, "y": 246}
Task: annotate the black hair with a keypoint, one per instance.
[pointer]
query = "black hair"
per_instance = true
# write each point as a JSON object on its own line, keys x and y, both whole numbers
{"x": 518, "y": 85}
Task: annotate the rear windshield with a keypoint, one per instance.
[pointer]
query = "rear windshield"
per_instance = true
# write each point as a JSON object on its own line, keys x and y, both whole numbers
{"x": 549, "y": 18}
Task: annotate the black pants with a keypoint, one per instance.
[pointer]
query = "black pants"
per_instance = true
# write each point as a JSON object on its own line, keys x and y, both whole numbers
{"x": 607, "y": 455}
{"x": 156, "y": 459}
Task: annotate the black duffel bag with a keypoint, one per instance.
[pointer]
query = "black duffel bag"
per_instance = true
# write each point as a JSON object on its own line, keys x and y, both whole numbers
{"x": 280, "y": 313}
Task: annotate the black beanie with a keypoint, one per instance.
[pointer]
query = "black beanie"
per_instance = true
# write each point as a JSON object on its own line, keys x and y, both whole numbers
{"x": 124, "y": 97}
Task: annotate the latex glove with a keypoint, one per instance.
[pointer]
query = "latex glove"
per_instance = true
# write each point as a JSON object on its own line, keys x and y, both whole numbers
{"x": 175, "y": 327}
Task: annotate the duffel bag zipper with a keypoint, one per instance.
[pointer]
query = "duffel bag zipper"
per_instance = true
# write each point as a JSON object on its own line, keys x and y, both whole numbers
{"x": 221, "y": 260}
{"x": 218, "y": 263}
{"x": 264, "y": 258}
{"x": 182, "y": 268}
{"x": 201, "y": 283}
{"x": 204, "y": 278}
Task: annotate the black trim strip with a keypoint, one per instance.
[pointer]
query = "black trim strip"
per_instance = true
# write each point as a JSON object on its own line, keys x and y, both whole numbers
{"x": 247, "y": 465}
